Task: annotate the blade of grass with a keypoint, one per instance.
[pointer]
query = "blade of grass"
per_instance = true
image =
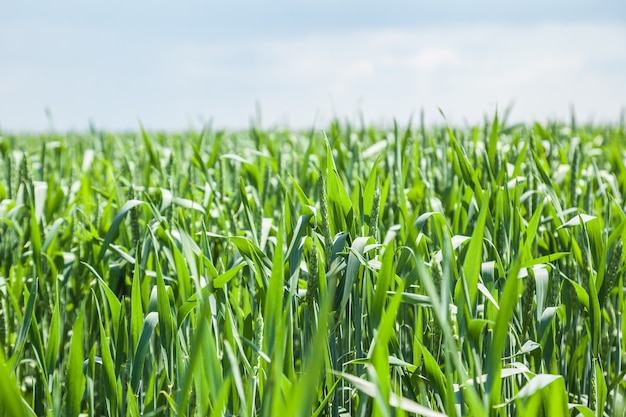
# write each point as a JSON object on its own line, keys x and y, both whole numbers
{"x": 75, "y": 377}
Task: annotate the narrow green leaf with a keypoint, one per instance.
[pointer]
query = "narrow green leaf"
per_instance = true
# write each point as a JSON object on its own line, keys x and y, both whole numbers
{"x": 577, "y": 220}
{"x": 227, "y": 276}
{"x": 473, "y": 259}
{"x": 555, "y": 399}
{"x": 403, "y": 403}
{"x": 493, "y": 144}
{"x": 75, "y": 376}
{"x": 384, "y": 278}
{"x": 109, "y": 371}
{"x": 508, "y": 301}
{"x": 136, "y": 307}
{"x": 352, "y": 270}
{"x": 141, "y": 349}
{"x": 274, "y": 299}
{"x": 114, "y": 303}
{"x": 119, "y": 217}
{"x": 11, "y": 401}
{"x": 54, "y": 334}
{"x": 154, "y": 160}
{"x": 26, "y": 321}
{"x": 166, "y": 319}
{"x": 236, "y": 374}
{"x": 339, "y": 202}
{"x": 544, "y": 259}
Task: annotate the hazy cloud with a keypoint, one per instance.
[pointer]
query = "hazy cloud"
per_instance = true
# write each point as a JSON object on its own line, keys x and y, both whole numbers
{"x": 116, "y": 75}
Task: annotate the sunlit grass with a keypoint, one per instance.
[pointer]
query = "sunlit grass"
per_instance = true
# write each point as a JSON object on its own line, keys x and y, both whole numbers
{"x": 351, "y": 271}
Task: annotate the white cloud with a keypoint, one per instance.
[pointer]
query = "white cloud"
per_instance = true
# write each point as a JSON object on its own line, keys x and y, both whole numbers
{"x": 467, "y": 71}
{"x": 432, "y": 59}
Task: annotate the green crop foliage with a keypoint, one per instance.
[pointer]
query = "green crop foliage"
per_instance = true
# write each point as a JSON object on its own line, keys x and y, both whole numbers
{"x": 355, "y": 270}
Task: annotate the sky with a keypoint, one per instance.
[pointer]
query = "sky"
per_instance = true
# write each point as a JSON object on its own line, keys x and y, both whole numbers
{"x": 66, "y": 65}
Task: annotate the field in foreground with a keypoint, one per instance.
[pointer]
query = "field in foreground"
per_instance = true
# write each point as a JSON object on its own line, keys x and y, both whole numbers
{"x": 359, "y": 271}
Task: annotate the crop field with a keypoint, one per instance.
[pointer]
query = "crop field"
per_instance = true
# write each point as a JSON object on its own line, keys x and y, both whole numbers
{"x": 350, "y": 271}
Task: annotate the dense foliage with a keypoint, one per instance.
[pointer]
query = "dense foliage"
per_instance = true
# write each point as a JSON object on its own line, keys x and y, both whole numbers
{"x": 358, "y": 271}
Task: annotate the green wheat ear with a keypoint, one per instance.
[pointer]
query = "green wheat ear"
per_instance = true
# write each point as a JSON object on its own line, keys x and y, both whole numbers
{"x": 9, "y": 175}
{"x": 3, "y": 327}
{"x": 134, "y": 219}
{"x": 313, "y": 284}
{"x": 373, "y": 222}
{"x": 258, "y": 340}
{"x": 613, "y": 269}
{"x": 25, "y": 180}
{"x": 528, "y": 307}
{"x": 573, "y": 183}
{"x": 328, "y": 241}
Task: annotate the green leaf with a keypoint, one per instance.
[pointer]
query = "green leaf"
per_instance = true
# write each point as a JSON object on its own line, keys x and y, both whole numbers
{"x": 339, "y": 202}
{"x": 508, "y": 301}
{"x": 114, "y": 303}
{"x": 166, "y": 319}
{"x": 530, "y": 235}
{"x": 218, "y": 282}
{"x": 369, "y": 389}
{"x": 493, "y": 144}
{"x": 577, "y": 220}
{"x": 54, "y": 335}
{"x": 188, "y": 204}
{"x": 473, "y": 259}
{"x": 555, "y": 399}
{"x": 11, "y": 401}
{"x": 154, "y": 160}
{"x": 467, "y": 172}
{"x": 414, "y": 299}
{"x": 584, "y": 411}
{"x": 384, "y": 280}
{"x": 119, "y": 217}
{"x": 227, "y": 276}
{"x": 111, "y": 388}
{"x": 136, "y": 307}
{"x": 544, "y": 259}
{"x": 26, "y": 321}
{"x": 75, "y": 376}
{"x": 234, "y": 366}
{"x": 352, "y": 271}
{"x": 275, "y": 316}
{"x": 141, "y": 350}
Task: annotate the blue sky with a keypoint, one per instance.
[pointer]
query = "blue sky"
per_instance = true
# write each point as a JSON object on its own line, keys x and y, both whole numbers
{"x": 177, "y": 65}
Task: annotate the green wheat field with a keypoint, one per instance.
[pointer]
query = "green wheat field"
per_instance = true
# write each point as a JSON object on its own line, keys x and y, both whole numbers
{"x": 345, "y": 271}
